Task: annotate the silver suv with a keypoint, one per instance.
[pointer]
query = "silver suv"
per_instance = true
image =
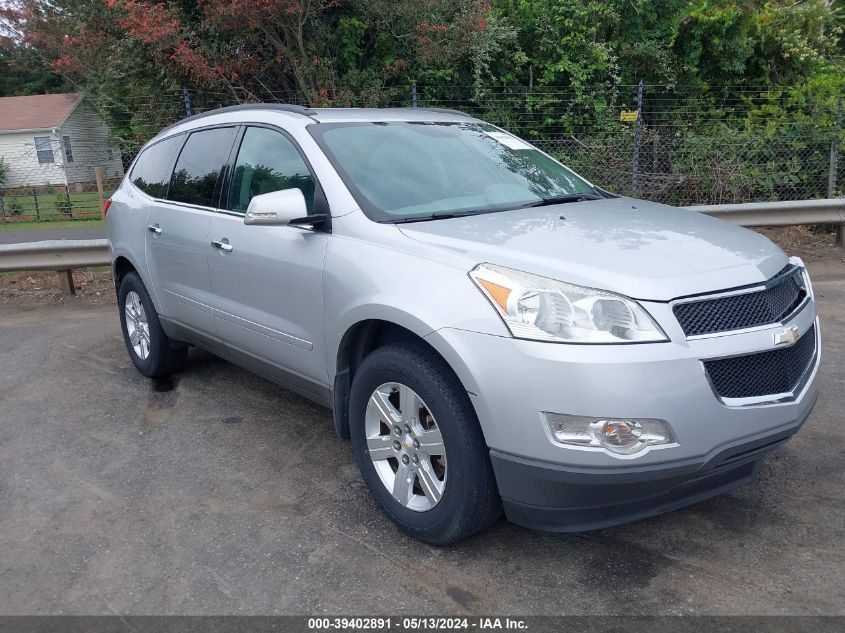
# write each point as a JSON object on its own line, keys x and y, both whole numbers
{"x": 491, "y": 331}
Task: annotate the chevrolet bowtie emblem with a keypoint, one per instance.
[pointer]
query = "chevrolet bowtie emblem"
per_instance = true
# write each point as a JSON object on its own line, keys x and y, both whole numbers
{"x": 787, "y": 336}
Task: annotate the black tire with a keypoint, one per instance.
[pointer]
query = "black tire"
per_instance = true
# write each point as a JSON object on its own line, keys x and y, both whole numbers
{"x": 166, "y": 356}
{"x": 470, "y": 501}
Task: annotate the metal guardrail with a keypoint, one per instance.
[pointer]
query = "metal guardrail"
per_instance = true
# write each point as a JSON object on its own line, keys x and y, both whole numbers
{"x": 65, "y": 255}
{"x": 784, "y": 213}
{"x": 54, "y": 255}
{"x": 59, "y": 255}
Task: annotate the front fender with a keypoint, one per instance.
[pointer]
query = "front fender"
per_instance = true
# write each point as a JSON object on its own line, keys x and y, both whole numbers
{"x": 376, "y": 281}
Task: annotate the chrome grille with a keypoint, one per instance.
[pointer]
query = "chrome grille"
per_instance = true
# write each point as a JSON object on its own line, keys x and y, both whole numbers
{"x": 740, "y": 311}
{"x": 764, "y": 373}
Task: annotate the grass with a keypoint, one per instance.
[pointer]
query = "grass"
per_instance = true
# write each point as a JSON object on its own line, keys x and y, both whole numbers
{"x": 21, "y": 208}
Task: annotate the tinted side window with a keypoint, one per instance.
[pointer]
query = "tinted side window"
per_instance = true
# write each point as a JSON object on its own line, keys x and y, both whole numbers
{"x": 268, "y": 161}
{"x": 151, "y": 172}
{"x": 198, "y": 166}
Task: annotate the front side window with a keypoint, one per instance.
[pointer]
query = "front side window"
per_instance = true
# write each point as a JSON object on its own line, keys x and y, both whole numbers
{"x": 197, "y": 169}
{"x": 151, "y": 172}
{"x": 44, "y": 149}
{"x": 405, "y": 170}
{"x": 68, "y": 149}
{"x": 268, "y": 161}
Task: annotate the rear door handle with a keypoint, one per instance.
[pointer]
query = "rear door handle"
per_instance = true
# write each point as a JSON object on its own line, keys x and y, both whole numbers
{"x": 155, "y": 229}
{"x": 222, "y": 245}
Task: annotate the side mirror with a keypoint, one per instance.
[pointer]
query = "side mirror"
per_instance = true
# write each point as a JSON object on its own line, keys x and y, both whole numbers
{"x": 277, "y": 208}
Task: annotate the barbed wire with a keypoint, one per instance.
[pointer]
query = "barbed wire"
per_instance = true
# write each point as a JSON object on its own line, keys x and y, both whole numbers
{"x": 747, "y": 144}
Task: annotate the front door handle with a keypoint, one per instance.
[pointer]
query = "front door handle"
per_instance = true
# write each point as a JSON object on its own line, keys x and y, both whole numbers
{"x": 155, "y": 229}
{"x": 222, "y": 245}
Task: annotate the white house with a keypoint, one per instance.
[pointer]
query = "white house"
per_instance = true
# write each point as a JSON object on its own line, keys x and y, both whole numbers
{"x": 55, "y": 139}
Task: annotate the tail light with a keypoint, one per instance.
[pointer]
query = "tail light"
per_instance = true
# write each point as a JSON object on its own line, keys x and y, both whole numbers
{"x": 106, "y": 207}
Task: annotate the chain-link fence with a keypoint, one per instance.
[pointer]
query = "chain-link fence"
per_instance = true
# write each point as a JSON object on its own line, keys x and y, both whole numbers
{"x": 50, "y": 179}
{"x": 702, "y": 169}
{"x": 666, "y": 144}
{"x": 673, "y": 145}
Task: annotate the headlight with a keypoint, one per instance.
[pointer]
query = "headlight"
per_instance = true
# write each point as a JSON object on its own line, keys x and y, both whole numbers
{"x": 804, "y": 281}
{"x": 542, "y": 309}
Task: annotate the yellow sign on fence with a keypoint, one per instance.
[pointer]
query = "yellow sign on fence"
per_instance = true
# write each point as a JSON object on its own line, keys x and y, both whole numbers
{"x": 628, "y": 116}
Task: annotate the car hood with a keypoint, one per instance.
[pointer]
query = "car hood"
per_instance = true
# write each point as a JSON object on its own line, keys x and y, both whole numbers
{"x": 640, "y": 249}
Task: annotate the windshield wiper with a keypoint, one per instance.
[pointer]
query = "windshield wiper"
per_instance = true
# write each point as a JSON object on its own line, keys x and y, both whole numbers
{"x": 562, "y": 199}
{"x": 444, "y": 215}
{"x": 439, "y": 215}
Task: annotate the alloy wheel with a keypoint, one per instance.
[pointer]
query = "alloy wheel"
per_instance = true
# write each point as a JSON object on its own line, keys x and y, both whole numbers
{"x": 137, "y": 326}
{"x": 405, "y": 446}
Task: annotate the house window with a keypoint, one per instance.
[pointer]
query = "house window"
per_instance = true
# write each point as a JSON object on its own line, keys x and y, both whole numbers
{"x": 68, "y": 149}
{"x": 44, "y": 148}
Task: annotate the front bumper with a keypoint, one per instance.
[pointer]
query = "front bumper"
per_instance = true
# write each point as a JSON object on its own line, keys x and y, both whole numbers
{"x": 549, "y": 485}
{"x": 560, "y": 498}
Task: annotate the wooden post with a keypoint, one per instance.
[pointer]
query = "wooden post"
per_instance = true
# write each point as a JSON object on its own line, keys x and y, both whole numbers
{"x": 66, "y": 282}
{"x": 98, "y": 174}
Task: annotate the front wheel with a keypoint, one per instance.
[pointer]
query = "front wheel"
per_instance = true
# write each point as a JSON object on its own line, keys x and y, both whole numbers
{"x": 151, "y": 350}
{"x": 419, "y": 446}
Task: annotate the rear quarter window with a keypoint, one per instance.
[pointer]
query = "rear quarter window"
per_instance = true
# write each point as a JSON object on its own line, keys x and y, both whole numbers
{"x": 151, "y": 173}
{"x": 199, "y": 164}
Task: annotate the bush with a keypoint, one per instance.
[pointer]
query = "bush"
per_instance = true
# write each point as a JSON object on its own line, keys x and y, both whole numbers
{"x": 4, "y": 172}
{"x": 13, "y": 206}
{"x": 63, "y": 206}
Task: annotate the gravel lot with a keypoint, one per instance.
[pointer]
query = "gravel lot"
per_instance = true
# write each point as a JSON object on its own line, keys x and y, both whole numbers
{"x": 220, "y": 493}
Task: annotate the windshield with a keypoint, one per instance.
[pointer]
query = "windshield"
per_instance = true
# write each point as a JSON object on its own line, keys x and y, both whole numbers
{"x": 402, "y": 171}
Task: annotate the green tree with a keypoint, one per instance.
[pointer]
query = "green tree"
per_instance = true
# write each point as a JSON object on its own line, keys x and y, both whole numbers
{"x": 559, "y": 64}
{"x": 24, "y": 72}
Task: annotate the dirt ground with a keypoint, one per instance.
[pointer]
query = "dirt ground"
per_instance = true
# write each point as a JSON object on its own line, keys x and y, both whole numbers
{"x": 810, "y": 245}
{"x": 93, "y": 285}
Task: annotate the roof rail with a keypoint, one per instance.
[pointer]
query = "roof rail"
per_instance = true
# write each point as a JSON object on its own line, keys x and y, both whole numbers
{"x": 283, "y": 107}
{"x": 445, "y": 111}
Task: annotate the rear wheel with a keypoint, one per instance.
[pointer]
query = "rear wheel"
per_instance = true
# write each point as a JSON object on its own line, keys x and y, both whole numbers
{"x": 152, "y": 352}
{"x": 419, "y": 446}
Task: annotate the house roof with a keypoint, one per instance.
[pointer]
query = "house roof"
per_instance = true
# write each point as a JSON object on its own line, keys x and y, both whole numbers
{"x": 36, "y": 112}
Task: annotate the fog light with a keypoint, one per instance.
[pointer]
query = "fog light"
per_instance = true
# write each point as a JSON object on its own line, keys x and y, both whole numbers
{"x": 619, "y": 436}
